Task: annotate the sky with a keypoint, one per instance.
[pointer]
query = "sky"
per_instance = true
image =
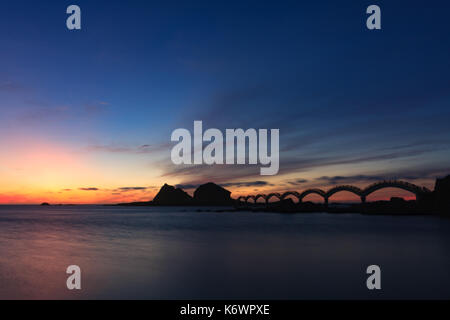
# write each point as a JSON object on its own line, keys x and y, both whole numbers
{"x": 86, "y": 116}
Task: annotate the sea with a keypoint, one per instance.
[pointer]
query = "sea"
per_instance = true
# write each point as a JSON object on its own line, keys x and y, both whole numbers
{"x": 216, "y": 253}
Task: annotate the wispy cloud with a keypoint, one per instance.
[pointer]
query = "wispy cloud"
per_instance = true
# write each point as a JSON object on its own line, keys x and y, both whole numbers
{"x": 189, "y": 186}
{"x": 401, "y": 174}
{"x": 247, "y": 184}
{"x": 289, "y": 164}
{"x": 118, "y": 148}
{"x": 125, "y": 189}
{"x": 349, "y": 179}
{"x": 9, "y": 86}
{"x": 311, "y": 138}
{"x": 297, "y": 182}
{"x": 43, "y": 112}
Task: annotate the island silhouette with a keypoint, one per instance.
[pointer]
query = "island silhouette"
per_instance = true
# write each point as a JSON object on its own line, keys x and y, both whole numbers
{"x": 210, "y": 194}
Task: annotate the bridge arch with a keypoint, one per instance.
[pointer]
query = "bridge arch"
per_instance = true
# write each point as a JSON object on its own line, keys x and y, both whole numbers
{"x": 355, "y": 190}
{"x": 290, "y": 193}
{"x": 242, "y": 199}
{"x": 312, "y": 191}
{"x": 416, "y": 190}
{"x": 270, "y": 195}
{"x": 250, "y": 198}
{"x": 263, "y": 196}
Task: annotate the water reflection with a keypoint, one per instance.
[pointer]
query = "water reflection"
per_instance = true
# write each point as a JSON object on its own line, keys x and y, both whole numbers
{"x": 162, "y": 253}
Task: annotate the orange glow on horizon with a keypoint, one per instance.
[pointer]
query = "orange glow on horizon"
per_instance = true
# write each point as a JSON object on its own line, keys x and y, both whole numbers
{"x": 113, "y": 195}
{"x": 36, "y": 170}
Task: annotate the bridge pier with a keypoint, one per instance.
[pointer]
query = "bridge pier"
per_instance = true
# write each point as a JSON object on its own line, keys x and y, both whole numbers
{"x": 326, "y": 202}
{"x": 363, "y": 199}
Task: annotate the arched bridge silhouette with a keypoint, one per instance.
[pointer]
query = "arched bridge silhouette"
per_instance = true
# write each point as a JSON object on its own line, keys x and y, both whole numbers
{"x": 362, "y": 193}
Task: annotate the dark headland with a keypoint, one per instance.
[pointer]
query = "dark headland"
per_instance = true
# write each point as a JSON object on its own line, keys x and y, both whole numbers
{"x": 208, "y": 194}
{"x": 435, "y": 202}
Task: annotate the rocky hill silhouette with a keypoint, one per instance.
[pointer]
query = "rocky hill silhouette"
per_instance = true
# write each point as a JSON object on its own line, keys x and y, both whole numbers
{"x": 212, "y": 194}
{"x": 171, "y": 196}
{"x": 209, "y": 194}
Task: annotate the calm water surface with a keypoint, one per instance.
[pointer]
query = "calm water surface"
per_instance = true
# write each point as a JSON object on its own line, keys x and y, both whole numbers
{"x": 173, "y": 253}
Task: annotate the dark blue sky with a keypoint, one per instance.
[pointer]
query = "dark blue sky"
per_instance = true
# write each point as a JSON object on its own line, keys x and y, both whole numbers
{"x": 349, "y": 102}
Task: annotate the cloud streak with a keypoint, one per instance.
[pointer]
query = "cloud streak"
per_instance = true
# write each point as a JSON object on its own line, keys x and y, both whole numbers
{"x": 9, "y": 86}
{"x": 189, "y": 186}
{"x": 141, "y": 149}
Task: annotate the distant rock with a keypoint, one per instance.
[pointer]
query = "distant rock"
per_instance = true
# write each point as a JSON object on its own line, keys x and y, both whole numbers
{"x": 210, "y": 194}
{"x": 171, "y": 196}
{"x": 45, "y": 204}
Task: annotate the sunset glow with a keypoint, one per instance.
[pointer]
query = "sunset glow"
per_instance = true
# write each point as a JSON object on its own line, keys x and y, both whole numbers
{"x": 87, "y": 118}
